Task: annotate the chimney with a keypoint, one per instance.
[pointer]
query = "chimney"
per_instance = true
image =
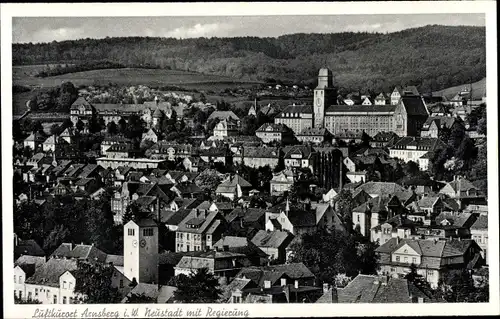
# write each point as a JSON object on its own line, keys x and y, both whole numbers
{"x": 267, "y": 284}
{"x": 283, "y": 282}
{"x": 296, "y": 284}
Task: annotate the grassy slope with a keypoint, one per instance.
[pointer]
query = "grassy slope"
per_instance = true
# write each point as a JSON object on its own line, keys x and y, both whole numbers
{"x": 128, "y": 76}
{"x": 478, "y": 90}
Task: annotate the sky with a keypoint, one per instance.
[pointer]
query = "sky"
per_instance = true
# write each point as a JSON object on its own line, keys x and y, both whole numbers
{"x": 48, "y": 29}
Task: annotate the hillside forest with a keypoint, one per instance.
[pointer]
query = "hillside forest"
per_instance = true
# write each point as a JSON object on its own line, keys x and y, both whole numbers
{"x": 432, "y": 57}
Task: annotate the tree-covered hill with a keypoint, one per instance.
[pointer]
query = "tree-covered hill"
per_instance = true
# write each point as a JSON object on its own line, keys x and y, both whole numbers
{"x": 432, "y": 57}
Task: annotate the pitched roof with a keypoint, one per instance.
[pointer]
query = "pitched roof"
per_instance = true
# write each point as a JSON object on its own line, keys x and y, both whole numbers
{"x": 381, "y": 188}
{"x": 374, "y": 289}
{"x": 481, "y": 223}
{"x": 272, "y": 127}
{"x": 458, "y": 220}
{"x": 116, "y": 260}
{"x": 297, "y": 109}
{"x": 271, "y": 239}
{"x": 414, "y": 105}
{"x": 259, "y": 152}
{"x": 48, "y": 274}
{"x": 89, "y": 252}
{"x": 28, "y": 247}
{"x": 221, "y": 115}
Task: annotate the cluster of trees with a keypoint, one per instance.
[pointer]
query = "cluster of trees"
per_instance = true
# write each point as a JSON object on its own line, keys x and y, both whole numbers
{"x": 361, "y": 60}
{"x": 328, "y": 253}
{"x": 56, "y": 99}
{"x": 59, "y": 69}
{"x": 456, "y": 286}
{"x": 327, "y": 169}
{"x": 66, "y": 219}
{"x": 462, "y": 155}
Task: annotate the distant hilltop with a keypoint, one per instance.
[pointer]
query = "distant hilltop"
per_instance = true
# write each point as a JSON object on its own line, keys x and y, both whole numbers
{"x": 432, "y": 58}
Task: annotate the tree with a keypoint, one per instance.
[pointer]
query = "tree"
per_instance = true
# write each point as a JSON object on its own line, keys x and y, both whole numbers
{"x": 112, "y": 128}
{"x": 459, "y": 287}
{"x": 135, "y": 213}
{"x": 328, "y": 252}
{"x": 343, "y": 205}
{"x": 419, "y": 280}
{"x": 68, "y": 94}
{"x": 79, "y": 126}
{"x": 209, "y": 179}
{"x": 135, "y": 127}
{"x": 99, "y": 222}
{"x": 122, "y": 126}
{"x": 199, "y": 287}
{"x": 94, "y": 281}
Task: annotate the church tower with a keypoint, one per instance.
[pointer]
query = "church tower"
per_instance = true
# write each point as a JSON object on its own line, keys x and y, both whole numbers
{"x": 324, "y": 95}
{"x": 140, "y": 251}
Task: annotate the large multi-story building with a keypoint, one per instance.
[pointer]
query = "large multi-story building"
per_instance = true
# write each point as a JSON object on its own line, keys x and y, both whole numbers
{"x": 405, "y": 115}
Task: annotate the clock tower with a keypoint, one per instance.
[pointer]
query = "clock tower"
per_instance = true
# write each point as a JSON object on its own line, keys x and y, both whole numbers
{"x": 140, "y": 251}
{"x": 324, "y": 95}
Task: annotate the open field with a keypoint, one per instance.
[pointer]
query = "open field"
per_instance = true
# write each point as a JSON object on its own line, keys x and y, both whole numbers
{"x": 23, "y": 75}
{"x": 478, "y": 90}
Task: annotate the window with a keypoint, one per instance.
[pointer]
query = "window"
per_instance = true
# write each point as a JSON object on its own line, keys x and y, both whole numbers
{"x": 20, "y": 279}
{"x": 55, "y": 298}
{"x": 187, "y": 236}
{"x": 70, "y": 300}
{"x": 147, "y": 232}
{"x": 70, "y": 284}
{"x": 406, "y": 259}
{"x": 64, "y": 299}
{"x": 397, "y": 258}
{"x": 236, "y": 299}
{"x": 36, "y": 292}
{"x": 187, "y": 249}
{"x": 414, "y": 260}
{"x": 20, "y": 294}
{"x": 64, "y": 284}
{"x": 14, "y": 278}
{"x": 29, "y": 295}
{"x": 131, "y": 232}
{"x": 358, "y": 218}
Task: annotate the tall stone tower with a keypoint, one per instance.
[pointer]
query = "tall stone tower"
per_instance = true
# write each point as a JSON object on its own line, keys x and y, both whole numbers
{"x": 140, "y": 251}
{"x": 325, "y": 94}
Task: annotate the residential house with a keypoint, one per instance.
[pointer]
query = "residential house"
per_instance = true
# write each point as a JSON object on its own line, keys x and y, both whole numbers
{"x": 223, "y": 264}
{"x": 435, "y": 124}
{"x": 412, "y": 148}
{"x": 297, "y": 219}
{"x": 461, "y": 190}
{"x": 375, "y": 189}
{"x": 479, "y": 233}
{"x": 34, "y": 141}
{"x": 223, "y": 115}
{"x": 150, "y": 135}
{"x": 273, "y": 243}
{"x": 245, "y": 246}
{"x": 246, "y": 221}
{"x": 426, "y": 209}
{"x": 191, "y": 164}
{"x": 299, "y": 156}
{"x": 375, "y": 289}
{"x": 314, "y": 135}
{"x": 410, "y": 115}
{"x": 225, "y": 128}
{"x": 199, "y": 230}
{"x": 432, "y": 258}
{"x": 282, "y": 182}
{"x": 397, "y": 226}
{"x": 67, "y": 135}
{"x": 270, "y": 132}
{"x": 257, "y": 156}
{"x": 374, "y": 212}
{"x": 383, "y": 139}
{"x": 233, "y": 187}
{"x": 380, "y": 99}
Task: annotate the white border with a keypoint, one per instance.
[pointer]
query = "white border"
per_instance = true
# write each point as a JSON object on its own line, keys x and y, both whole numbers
{"x": 234, "y": 9}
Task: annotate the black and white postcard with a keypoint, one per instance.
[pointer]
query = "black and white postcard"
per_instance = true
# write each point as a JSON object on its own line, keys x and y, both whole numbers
{"x": 209, "y": 160}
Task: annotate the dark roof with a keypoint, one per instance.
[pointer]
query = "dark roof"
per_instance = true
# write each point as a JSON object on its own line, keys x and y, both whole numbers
{"x": 374, "y": 289}
{"x": 297, "y": 109}
{"x": 272, "y": 239}
{"x": 148, "y": 222}
{"x": 48, "y": 274}
{"x": 249, "y": 214}
{"x": 28, "y": 247}
{"x": 414, "y": 105}
{"x": 481, "y": 223}
{"x": 421, "y": 143}
{"x": 63, "y": 250}
{"x": 116, "y": 260}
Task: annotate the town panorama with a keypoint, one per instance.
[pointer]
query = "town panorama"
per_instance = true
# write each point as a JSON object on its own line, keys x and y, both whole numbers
{"x": 264, "y": 192}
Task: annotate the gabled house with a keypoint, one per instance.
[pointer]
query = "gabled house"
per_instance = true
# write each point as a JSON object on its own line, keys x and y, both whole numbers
{"x": 273, "y": 243}
{"x": 34, "y": 141}
{"x": 479, "y": 233}
{"x": 282, "y": 182}
{"x": 432, "y": 258}
{"x": 199, "y": 230}
{"x": 233, "y": 187}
